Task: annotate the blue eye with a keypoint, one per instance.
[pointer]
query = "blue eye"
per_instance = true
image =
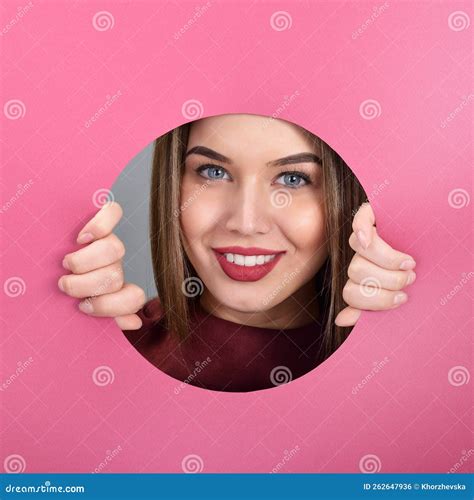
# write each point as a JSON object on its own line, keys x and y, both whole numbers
{"x": 294, "y": 179}
{"x": 213, "y": 172}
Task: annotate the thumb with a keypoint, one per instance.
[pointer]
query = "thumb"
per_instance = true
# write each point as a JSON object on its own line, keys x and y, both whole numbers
{"x": 348, "y": 317}
{"x": 363, "y": 224}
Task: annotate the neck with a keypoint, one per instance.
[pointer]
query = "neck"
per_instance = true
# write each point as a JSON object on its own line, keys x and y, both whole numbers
{"x": 300, "y": 309}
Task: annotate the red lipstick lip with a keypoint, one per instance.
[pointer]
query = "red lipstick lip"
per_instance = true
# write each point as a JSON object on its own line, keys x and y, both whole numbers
{"x": 248, "y": 250}
{"x": 244, "y": 273}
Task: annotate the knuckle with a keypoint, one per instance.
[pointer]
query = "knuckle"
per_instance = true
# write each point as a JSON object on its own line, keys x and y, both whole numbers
{"x": 73, "y": 263}
{"x": 139, "y": 298}
{"x": 346, "y": 291}
{"x": 355, "y": 267}
{"x": 393, "y": 260}
{"x": 117, "y": 247}
{"x": 353, "y": 241}
{"x": 386, "y": 300}
{"x": 399, "y": 281}
{"x": 99, "y": 228}
{"x": 116, "y": 279}
{"x": 118, "y": 275}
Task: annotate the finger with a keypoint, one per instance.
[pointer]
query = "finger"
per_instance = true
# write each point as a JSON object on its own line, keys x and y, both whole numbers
{"x": 348, "y": 317}
{"x": 365, "y": 272}
{"x": 129, "y": 322}
{"x": 381, "y": 253}
{"x": 363, "y": 224}
{"x": 371, "y": 298}
{"x": 98, "y": 254}
{"x": 129, "y": 300}
{"x": 107, "y": 279}
{"x": 101, "y": 224}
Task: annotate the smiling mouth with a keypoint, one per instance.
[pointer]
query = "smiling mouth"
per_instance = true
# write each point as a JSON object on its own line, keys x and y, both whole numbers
{"x": 251, "y": 264}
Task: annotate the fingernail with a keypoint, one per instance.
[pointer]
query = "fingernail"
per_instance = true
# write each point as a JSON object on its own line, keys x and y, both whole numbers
{"x": 85, "y": 238}
{"x": 411, "y": 278}
{"x": 65, "y": 264}
{"x": 362, "y": 237}
{"x": 400, "y": 298}
{"x": 60, "y": 284}
{"x": 86, "y": 306}
{"x": 407, "y": 264}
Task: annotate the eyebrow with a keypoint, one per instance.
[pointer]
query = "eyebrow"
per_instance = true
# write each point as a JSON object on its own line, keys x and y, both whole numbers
{"x": 287, "y": 160}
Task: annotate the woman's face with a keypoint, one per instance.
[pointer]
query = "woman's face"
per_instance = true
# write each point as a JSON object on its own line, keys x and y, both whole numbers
{"x": 252, "y": 211}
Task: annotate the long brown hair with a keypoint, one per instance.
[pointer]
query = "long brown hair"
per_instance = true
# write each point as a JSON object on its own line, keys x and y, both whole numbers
{"x": 343, "y": 194}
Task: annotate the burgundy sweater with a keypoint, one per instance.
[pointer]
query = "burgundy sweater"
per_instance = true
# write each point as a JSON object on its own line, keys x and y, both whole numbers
{"x": 225, "y": 356}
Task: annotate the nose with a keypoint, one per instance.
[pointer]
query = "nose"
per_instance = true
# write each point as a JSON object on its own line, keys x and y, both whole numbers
{"x": 249, "y": 210}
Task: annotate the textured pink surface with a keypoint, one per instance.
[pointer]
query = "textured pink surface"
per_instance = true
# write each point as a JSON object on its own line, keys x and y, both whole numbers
{"x": 413, "y": 58}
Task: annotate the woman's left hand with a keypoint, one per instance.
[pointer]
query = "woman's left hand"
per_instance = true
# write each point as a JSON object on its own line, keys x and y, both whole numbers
{"x": 377, "y": 272}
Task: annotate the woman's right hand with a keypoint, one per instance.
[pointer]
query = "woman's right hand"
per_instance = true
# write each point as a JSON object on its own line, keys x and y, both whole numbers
{"x": 97, "y": 273}
{"x": 377, "y": 272}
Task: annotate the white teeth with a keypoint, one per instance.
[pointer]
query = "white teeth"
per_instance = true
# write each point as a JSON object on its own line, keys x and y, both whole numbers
{"x": 248, "y": 260}
{"x": 239, "y": 260}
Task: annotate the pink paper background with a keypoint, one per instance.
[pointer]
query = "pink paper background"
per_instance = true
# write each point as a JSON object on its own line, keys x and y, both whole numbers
{"x": 413, "y": 59}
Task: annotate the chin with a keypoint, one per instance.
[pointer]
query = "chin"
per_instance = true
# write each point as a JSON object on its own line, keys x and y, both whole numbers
{"x": 245, "y": 300}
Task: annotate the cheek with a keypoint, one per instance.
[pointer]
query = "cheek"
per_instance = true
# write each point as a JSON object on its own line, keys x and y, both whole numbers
{"x": 303, "y": 223}
{"x": 199, "y": 211}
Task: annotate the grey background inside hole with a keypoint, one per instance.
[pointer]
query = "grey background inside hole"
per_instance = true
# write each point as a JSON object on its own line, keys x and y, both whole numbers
{"x": 132, "y": 191}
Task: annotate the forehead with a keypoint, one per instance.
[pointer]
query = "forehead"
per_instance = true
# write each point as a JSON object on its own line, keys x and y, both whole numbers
{"x": 243, "y": 135}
